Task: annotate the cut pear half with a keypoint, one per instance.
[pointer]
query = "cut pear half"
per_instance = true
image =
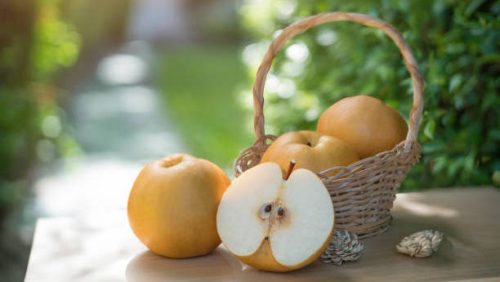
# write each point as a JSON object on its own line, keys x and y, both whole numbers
{"x": 274, "y": 224}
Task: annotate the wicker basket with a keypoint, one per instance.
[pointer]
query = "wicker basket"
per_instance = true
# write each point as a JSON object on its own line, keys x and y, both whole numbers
{"x": 362, "y": 193}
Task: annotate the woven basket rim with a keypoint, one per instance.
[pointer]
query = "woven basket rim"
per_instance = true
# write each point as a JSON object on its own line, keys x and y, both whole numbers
{"x": 414, "y": 146}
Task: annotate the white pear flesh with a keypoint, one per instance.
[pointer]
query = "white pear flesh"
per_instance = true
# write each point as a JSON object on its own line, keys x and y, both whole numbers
{"x": 237, "y": 217}
{"x": 269, "y": 240}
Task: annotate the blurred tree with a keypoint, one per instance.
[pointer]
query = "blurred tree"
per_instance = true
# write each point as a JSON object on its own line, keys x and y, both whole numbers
{"x": 214, "y": 20}
{"x": 97, "y": 27}
{"x": 456, "y": 44}
{"x": 34, "y": 46}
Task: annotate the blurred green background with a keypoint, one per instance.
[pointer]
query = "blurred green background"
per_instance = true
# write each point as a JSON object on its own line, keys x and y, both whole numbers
{"x": 203, "y": 73}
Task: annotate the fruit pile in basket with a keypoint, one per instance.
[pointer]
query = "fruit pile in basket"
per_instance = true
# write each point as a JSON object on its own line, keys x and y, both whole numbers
{"x": 278, "y": 214}
{"x": 351, "y": 129}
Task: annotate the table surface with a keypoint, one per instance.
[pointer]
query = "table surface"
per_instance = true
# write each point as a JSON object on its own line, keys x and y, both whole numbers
{"x": 103, "y": 248}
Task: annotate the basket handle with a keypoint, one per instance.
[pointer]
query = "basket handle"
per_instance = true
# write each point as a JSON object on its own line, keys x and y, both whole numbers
{"x": 307, "y": 23}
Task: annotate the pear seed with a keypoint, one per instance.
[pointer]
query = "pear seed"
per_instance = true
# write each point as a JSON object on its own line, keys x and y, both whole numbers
{"x": 268, "y": 208}
{"x": 281, "y": 211}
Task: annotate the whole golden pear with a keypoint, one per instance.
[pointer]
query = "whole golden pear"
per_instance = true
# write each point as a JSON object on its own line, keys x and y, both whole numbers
{"x": 172, "y": 206}
{"x": 365, "y": 123}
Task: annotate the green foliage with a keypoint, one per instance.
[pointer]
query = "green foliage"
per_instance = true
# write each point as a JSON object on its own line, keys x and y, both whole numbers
{"x": 34, "y": 45}
{"x": 199, "y": 85}
{"x": 456, "y": 45}
{"x": 56, "y": 44}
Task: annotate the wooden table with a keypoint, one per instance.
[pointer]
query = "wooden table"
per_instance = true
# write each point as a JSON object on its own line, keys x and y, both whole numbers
{"x": 103, "y": 248}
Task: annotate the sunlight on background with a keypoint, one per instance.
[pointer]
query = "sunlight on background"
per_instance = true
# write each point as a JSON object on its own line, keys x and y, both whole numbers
{"x": 122, "y": 69}
{"x": 410, "y": 202}
{"x": 326, "y": 37}
{"x": 85, "y": 241}
{"x": 136, "y": 99}
{"x": 297, "y": 52}
{"x": 96, "y": 187}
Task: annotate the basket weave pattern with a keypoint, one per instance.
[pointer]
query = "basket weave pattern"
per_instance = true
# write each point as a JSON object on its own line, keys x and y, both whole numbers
{"x": 362, "y": 193}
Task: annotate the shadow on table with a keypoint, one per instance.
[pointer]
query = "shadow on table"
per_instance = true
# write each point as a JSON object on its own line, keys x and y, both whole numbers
{"x": 217, "y": 266}
{"x": 147, "y": 266}
{"x": 417, "y": 214}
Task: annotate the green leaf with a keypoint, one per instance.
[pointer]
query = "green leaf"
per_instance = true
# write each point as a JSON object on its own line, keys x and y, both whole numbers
{"x": 429, "y": 129}
{"x": 455, "y": 82}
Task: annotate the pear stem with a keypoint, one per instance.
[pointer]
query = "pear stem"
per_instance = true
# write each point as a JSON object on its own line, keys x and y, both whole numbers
{"x": 290, "y": 168}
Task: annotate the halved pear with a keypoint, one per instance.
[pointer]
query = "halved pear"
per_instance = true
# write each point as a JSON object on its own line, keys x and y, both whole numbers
{"x": 275, "y": 224}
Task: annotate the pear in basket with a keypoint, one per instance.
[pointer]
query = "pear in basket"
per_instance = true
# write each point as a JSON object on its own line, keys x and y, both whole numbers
{"x": 310, "y": 150}
{"x": 365, "y": 123}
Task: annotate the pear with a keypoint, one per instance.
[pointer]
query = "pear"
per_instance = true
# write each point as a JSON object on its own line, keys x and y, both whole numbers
{"x": 276, "y": 223}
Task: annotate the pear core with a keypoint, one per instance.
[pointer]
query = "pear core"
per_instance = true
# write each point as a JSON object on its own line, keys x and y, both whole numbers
{"x": 275, "y": 224}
